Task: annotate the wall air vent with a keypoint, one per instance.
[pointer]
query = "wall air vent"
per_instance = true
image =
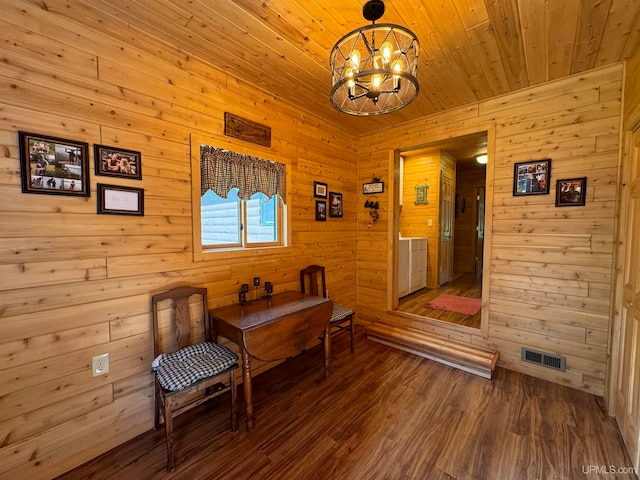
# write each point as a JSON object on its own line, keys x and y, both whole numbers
{"x": 556, "y": 362}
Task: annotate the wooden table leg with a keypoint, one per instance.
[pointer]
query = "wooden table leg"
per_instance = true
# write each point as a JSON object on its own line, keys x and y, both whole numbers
{"x": 246, "y": 383}
{"x": 327, "y": 351}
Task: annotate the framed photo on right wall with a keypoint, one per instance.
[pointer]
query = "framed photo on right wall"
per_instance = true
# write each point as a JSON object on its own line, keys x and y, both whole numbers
{"x": 571, "y": 192}
{"x": 532, "y": 178}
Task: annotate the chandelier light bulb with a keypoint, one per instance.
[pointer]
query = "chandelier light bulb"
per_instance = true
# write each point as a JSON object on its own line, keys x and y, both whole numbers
{"x": 387, "y": 51}
{"x": 376, "y": 81}
{"x": 351, "y": 83}
{"x": 355, "y": 59}
{"x": 397, "y": 69}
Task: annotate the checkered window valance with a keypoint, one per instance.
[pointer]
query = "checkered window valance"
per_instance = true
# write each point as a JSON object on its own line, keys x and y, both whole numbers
{"x": 222, "y": 170}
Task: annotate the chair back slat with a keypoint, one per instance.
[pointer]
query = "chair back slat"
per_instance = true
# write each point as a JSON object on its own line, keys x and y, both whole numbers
{"x": 315, "y": 277}
{"x": 183, "y": 322}
{"x": 182, "y": 317}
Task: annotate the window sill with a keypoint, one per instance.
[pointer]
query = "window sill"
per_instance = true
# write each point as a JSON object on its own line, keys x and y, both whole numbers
{"x": 238, "y": 252}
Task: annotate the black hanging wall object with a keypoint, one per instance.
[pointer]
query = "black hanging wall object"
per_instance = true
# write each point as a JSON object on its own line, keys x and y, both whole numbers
{"x": 373, "y": 206}
{"x": 242, "y": 296}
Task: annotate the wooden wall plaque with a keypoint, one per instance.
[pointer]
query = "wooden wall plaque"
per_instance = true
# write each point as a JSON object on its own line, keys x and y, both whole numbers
{"x": 247, "y": 130}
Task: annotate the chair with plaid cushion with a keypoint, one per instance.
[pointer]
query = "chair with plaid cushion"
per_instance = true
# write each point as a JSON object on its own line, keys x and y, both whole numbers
{"x": 189, "y": 367}
{"x": 312, "y": 280}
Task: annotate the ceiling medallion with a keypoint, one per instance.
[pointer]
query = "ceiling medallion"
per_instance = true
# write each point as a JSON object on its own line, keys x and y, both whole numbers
{"x": 374, "y": 68}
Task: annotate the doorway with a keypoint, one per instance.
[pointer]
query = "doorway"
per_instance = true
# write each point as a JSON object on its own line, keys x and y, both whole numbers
{"x": 450, "y": 223}
{"x": 625, "y": 371}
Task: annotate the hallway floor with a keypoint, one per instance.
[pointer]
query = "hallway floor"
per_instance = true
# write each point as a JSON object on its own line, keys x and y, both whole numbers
{"x": 463, "y": 284}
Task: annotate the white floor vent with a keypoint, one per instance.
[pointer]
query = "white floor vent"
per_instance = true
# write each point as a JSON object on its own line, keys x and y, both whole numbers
{"x": 556, "y": 362}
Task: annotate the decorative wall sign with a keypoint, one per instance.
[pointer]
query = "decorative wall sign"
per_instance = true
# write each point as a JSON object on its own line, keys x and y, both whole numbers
{"x": 571, "y": 192}
{"x": 246, "y": 130}
{"x": 335, "y": 204}
{"x": 117, "y": 162}
{"x": 119, "y": 200}
{"x": 532, "y": 178}
{"x": 373, "y": 187}
{"x": 53, "y": 165}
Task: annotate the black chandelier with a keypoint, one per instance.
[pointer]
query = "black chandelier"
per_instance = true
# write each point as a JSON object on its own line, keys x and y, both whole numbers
{"x": 374, "y": 68}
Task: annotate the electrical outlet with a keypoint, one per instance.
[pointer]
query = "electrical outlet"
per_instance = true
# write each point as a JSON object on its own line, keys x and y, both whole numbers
{"x": 256, "y": 281}
{"x": 100, "y": 364}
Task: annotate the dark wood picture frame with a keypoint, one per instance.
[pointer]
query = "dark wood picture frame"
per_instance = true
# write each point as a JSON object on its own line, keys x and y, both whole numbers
{"x": 320, "y": 190}
{"x": 119, "y": 200}
{"x": 321, "y": 211}
{"x": 571, "y": 192}
{"x": 117, "y": 162}
{"x": 54, "y": 166}
{"x": 335, "y": 204}
{"x": 532, "y": 178}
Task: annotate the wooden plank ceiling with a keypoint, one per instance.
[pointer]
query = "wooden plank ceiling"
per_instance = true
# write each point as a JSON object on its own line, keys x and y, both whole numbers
{"x": 470, "y": 49}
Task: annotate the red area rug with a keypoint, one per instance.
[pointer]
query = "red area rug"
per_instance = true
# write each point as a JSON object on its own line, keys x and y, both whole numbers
{"x": 454, "y": 303}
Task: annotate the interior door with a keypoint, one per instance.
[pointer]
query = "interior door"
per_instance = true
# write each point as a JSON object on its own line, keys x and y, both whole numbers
{"x": 447, "y": 194}
{"x": 480, "y": 192}
{"x": 628, "y": 385}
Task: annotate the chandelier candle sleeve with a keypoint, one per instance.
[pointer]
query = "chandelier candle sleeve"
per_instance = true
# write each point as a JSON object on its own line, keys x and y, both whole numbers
{"x": 374, "y": 68}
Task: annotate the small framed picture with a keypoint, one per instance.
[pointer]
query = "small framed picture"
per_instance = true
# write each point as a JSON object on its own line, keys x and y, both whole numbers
{"x": 532, "y": 178}
{"x": 319, "y": 190}
{"x": 119, "y": 200}
{"x": 335, "y": 204}
{"x": 571, "y": 192}
{"x": 373, "y": 187}
{"x": 421, "y": 195}
{"x": 117, "y": 162}
{"x": 54, "y": 166}
{"x": 321, "y": 211}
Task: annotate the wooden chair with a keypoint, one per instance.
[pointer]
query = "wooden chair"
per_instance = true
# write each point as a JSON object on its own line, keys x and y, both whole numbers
{"x": 314, "y": 277}
{"x": 189, "y": 369}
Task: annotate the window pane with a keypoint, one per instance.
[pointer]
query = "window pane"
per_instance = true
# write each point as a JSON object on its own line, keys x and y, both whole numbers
{"x": 261, "y": 219}
{"x": 220, "y": 219}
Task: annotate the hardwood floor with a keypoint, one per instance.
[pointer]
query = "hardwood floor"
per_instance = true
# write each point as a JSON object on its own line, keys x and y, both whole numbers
{"x": 465, "y": 285}
{"x": 383, "y": 414}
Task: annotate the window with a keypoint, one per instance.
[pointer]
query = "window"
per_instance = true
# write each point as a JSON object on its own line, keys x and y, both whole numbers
{"x": 242, "y": 200}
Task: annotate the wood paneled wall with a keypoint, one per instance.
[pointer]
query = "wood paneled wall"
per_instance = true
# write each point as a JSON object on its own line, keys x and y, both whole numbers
{"x": 549, "y": 268}
{"x": 74, "y": 284}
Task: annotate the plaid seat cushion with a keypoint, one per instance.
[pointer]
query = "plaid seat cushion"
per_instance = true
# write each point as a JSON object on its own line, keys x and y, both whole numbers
{"x": 188, "y": 365}
{"x": 340, "y": 313}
